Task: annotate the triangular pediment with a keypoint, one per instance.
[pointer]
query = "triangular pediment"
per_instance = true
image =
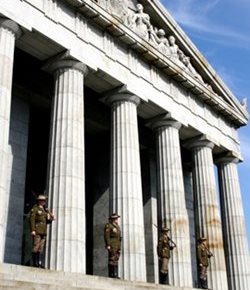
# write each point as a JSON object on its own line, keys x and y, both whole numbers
{"x": 158, "y": 34}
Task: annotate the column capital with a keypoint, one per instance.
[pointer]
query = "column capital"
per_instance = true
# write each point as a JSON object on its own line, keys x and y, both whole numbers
{"x": 164, "y": 120}
{"x": 228, "y": 157}
{"x": 64, "y": 61}
{"x": 11, "y": 25}
{"x": 199, "y": 141}
{"x": 121, "y": 94}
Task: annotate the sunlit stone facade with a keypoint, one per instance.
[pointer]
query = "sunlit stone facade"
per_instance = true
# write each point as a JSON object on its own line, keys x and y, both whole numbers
{"x": 107, "y": 106}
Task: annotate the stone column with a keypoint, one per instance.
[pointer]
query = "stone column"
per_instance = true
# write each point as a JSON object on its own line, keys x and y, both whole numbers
{"x": 235, "y": 238}
{"x": 9, "y": 31}
{"x": 66, "y": 180}
{"x": 171, "y": 194}
{"x": 126, "y": 187}
{"x": 149, "y": 178}
{"x": 208, "y": 222}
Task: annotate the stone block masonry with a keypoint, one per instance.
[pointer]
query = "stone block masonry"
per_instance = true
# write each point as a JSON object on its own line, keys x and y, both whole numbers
{"x": 20, "y": 277}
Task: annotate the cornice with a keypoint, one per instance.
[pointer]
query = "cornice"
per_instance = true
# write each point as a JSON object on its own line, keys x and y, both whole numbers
{"x": 192, "y": 50}
{"x": 107, "y": 22}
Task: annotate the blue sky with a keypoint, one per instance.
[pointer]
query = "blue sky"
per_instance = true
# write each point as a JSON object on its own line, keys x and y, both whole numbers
{"x": 220, "y": 30}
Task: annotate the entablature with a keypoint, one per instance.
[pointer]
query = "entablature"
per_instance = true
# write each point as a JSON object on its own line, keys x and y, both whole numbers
{"x": 224, "y": 102}
{"x": 112, "y": 63}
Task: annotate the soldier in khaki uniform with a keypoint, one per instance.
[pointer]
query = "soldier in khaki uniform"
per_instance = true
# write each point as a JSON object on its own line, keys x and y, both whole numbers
{"x": 39, "y": 218}
{"x": 203, "y": 256}
{"x": 165, "y": 245}
{"x": 112, "y": 237}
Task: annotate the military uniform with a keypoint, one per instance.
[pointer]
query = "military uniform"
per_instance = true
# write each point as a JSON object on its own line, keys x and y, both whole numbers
{"x": 39, "y": 218}
{"x": 112, "y": 237}
{"x": 163, "y": 250}
{"x": 203, "y": 256}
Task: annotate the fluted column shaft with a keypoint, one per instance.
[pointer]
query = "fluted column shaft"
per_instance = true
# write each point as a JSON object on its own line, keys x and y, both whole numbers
{"x": 235, "y": 238}
{"x": 9, "y": 31}
{"x": 67, "y": 169}
{"x": 208, "y": 221}
{"x": 172, "y": 205}
{"x": 126, "y": 187}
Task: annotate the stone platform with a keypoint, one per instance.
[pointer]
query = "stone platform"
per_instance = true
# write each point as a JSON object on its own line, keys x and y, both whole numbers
{"x": 26, "y": 278}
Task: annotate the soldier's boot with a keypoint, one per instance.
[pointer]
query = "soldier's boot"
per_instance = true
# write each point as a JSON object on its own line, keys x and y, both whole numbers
{"x": 163, "y": 278}
{"x": 204, "y": 284}
{"x": 201, "y": 284}
{"x": 116, "y": 272}
{"x": 40, "y": 260}
{"x": 166, "y": 279}
{"x": 111, "y": 271}
{"x": 35, "y": 260}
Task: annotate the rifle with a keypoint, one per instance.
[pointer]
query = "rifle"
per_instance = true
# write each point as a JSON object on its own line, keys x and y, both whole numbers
{"x": 50, "y": 215}
{"x": 209, "y": 252}
{"x": 172, "y": 242}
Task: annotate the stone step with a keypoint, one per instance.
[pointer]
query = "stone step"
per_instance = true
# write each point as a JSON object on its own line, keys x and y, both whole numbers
{"x": 26, "y": 278}
{"x": 20, "y": 285}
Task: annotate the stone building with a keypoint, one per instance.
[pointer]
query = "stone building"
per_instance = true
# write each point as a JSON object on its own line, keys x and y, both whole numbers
{"x": 109, "y": 107}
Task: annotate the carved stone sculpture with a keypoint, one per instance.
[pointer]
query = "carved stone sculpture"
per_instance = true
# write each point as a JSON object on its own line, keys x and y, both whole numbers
{"x": 130, "y": 13}
{"x": 120, "y": 9}
{"x": 244, "y": 103}
{"x": 141, "y": 23}
{"x": 173, "y": 48}
{"x": 152, "y": 37}
{"x": 191, "y": 69}
{"x": 162, "y": 42}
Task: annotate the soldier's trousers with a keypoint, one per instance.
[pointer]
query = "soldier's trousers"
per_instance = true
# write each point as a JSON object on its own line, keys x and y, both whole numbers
{"x": 164, "y": 265}
{"x": 38, "y": 243}
{"x": 203, "y": 276}
{"x": 114, "y": 256}
{"x": 203, "y": 272}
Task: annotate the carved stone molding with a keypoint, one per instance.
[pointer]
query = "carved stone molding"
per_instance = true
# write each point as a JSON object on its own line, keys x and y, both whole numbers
{"x": 131, "y": 13}
{"x": 176, "y": 70}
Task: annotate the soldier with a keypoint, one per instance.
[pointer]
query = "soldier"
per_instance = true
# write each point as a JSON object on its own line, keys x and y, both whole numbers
{"x": 112, "y": 237}
{"x": 40, "y": 216}
{"x": 165, "y": 245}
{"x": 203, "y": 256}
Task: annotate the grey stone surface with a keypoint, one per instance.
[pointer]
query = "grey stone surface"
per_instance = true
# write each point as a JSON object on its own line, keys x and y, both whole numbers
{"x": 9, "y": 30}
{"x": 149, "y": 178}
{"x": 115, "y": 56}
{"x": 126, "y": 186}
{"x": 234, "y": 230}
{"x": 171, "y": 195}
{"x": 19, "y": 125}
{"x": 101, "y": 192}
{"x": 208, "y": 221}
{"x": 188, "y": 185}
{"x": 64, "y": 28}
{"x": 66, "y": 187}
{"x": 18, "y": 277}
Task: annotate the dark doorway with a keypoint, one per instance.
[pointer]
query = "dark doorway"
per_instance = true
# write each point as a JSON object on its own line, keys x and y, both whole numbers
{"x": 36, "y": 172}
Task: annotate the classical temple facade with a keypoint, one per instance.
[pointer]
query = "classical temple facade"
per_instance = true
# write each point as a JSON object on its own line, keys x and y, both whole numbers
{"x": 109, "y": 107}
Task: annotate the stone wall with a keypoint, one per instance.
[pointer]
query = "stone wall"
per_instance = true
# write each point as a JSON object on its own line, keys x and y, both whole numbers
{"x": 18, "y": 145}
{"x": 84, "y": 39}
{"x": 187, "y": 174}
{"x": 27, "y": 278}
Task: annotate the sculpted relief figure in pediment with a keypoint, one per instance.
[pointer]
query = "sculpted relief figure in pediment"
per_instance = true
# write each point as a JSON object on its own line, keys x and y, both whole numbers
{"x": 186, "y": 61}
{"x": 244, "y": 103}
{"x": 158, "y": 39}
{"x": 131, "y": 13}
{"x": 140, "y": 22}
{"x": 120, "y": 9}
